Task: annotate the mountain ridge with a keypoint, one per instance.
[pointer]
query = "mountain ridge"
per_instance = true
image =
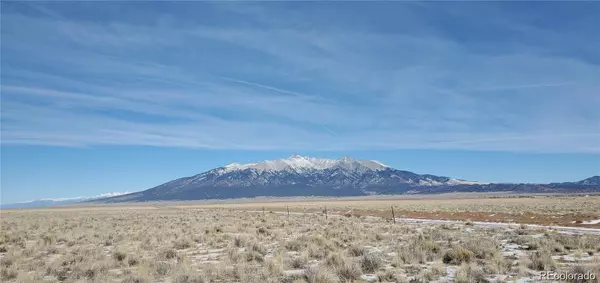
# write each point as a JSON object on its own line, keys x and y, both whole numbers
{"x": 308, "y": 176}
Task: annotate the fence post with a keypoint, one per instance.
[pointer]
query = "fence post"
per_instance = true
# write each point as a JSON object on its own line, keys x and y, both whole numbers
{"x": 393, "y": 215}
{"x": 288, "y": 211}
{"x": 325, "y": 212}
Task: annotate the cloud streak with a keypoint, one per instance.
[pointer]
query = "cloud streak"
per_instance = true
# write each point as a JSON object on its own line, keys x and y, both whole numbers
{"x": 282, "y": 78}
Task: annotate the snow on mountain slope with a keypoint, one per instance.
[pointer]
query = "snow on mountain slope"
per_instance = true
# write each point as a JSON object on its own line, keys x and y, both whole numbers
{"x": 299, "y": 164}
{"x": 309, "y": 176}
{"x": 592, "y": 181}
{"x": 296, "y": 176}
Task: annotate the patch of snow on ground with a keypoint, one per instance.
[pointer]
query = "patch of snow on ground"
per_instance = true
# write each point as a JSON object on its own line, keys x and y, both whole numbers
{"x": 369, "y": 277}
{"x": 572, "y": 258}
{"x": 450, "y": 274}
{"x": 560, "y": 229}
{"x": 293, "y": 272}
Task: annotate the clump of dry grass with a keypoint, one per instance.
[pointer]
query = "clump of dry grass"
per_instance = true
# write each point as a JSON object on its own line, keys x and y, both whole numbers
{"x": 356, "y": 250}
{"x": 419, "y": 250}
{"x": 274, "y": 267}
{"x": 319, "y": 275}
{"x": 239, "y": 241}
{"x": 458, "y": 255}
{"x": 345, "y": 268}
{"x": 335, "y": 259}
{"x": 119, "y": 256}
{"x": 132, "y": 260}
{"x": 470, "y": 273}
{"x": 182, "y": 244}
{"x": 542, "y": 260}
{"x": 162, "y": 268}
{"x": 185, "y": 274}
{"x": 387, "y": 276}
{"x": 297, "y": 262}
{"x": 295, "y": 245}
{"x": 483, "y": 248}
{"x": 496, "y": 265}
{"x": 167, "y": 254}
{"x": 253, "y": 255}
{"x": 371, "y": 262}
{"x": 8, "y": 272}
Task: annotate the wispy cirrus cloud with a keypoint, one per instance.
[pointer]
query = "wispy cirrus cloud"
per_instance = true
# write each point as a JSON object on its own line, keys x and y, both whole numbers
{"x": 280, "y": 77}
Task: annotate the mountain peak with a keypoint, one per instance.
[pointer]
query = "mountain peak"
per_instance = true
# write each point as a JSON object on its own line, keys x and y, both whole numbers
{"x": 301, "y": 163}
{"x": 347, "y": 159}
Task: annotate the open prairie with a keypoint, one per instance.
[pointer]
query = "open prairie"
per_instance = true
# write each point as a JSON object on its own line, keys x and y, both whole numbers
{"x": 532, "y": 209}
{"x": 355, "y": 241}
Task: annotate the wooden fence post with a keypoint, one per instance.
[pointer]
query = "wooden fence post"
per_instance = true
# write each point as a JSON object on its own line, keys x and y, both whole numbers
{"x": 325, "y": 212}
{"x": 393, "y": 215}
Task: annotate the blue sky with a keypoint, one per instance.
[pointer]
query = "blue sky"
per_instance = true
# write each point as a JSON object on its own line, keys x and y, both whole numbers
{"x": 109, "y": 96}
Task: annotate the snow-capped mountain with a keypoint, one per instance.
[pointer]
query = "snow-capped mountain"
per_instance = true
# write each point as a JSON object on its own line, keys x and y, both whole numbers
{"x": 299, "y": 176}
{"x": 300, "y": 164}
{"x": 309, "y": 176}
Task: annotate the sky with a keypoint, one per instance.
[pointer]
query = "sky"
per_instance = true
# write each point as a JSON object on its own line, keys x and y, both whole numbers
{"x": 115, "y": 96}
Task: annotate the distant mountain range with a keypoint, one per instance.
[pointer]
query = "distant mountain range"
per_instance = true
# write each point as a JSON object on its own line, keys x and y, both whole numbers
{"x": 56, "y": 202}
{"x": 307, "y": 176}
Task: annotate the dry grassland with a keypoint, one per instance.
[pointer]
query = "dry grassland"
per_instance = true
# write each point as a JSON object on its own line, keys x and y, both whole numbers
{"x": 541, "y": 210}
{"x": 227, "y": 243}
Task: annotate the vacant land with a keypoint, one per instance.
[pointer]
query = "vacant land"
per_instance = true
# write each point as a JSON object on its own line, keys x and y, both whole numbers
{"x": 540, "y": 210}
{"x": 240, "y": 243}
